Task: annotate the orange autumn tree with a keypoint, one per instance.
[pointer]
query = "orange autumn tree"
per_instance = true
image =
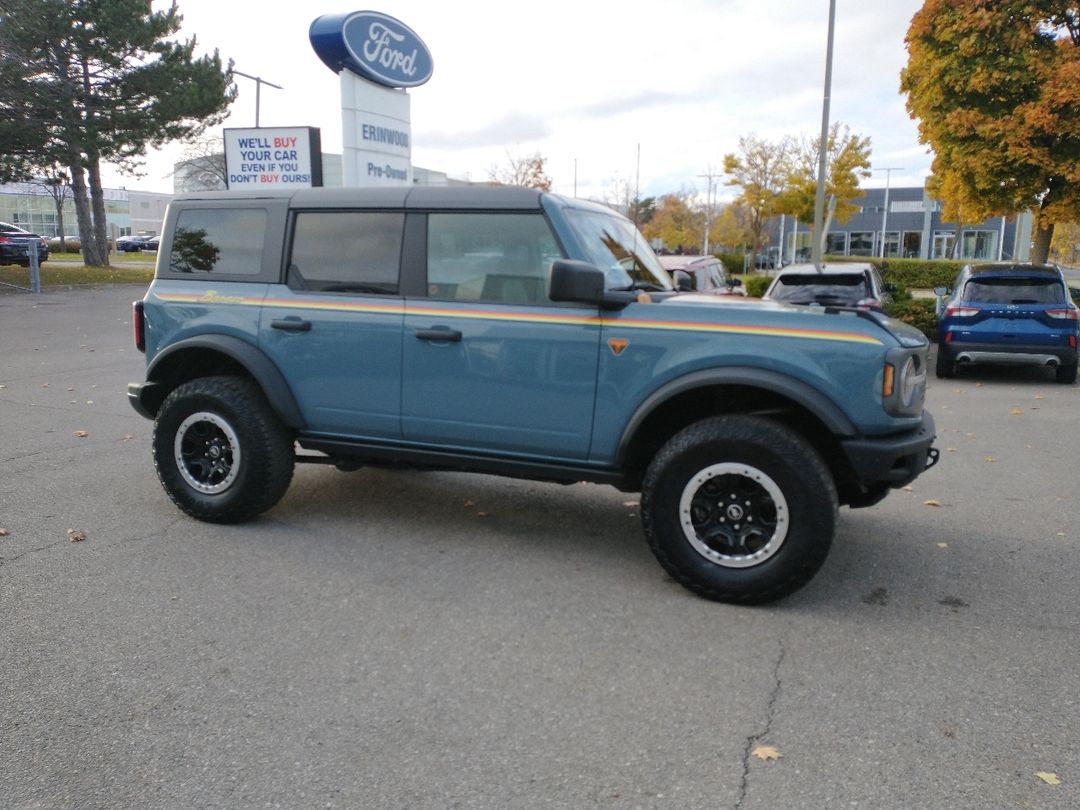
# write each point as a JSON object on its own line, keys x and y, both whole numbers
{"x": 995, "y": 87}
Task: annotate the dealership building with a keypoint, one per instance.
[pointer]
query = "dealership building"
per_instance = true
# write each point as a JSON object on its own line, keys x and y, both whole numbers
{"x": 912, "y": 228}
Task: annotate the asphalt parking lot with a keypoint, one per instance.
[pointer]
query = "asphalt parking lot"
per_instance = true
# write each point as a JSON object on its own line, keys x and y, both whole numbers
{"x": 430, "y": 640}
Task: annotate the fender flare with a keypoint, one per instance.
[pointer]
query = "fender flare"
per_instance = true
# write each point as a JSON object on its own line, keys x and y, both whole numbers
{"x": 804, "y": 394}
{"x": 254, "y": 360}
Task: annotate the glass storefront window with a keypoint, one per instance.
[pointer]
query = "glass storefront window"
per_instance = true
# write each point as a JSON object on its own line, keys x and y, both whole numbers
{"x": 943, "y": 245}
{"x": 912, "y": 244}
{"x": 862, "y": 243}
{"x": 978, "y": 245}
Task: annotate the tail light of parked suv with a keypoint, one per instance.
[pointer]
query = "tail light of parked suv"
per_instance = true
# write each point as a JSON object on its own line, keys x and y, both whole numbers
{"x": 1065, "y": 313}
{"x": 957, "y": 311}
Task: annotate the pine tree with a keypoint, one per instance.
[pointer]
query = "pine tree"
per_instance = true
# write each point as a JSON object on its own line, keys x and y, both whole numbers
{"x": 84, "y": 82}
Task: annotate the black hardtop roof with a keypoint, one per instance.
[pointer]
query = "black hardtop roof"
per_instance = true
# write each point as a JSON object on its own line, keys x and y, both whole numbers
{"x": 419, "y": 197}
{"x": 451, "y": 198}
{"x": 1013, "y": 269}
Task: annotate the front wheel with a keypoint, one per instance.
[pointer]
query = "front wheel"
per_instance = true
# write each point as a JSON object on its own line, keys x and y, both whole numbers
{"x": 221, "y": 453}
{"x": 739, "y": 509}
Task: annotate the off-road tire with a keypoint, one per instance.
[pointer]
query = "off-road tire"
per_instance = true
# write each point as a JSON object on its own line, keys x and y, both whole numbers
{"x": 725, "y": 468}
{"x": 221, "y": 453}
{"x": 945, "y": 366}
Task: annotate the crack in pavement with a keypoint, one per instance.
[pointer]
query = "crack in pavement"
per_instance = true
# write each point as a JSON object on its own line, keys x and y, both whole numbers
{"x": 770, "y": 711}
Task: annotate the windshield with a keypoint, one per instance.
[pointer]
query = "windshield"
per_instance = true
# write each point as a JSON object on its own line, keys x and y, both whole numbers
{"x": 614, "y": 245}
{"x": 815, "y": 288}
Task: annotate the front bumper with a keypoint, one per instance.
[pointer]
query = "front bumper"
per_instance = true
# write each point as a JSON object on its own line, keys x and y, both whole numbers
{"x": 894, "y": 460}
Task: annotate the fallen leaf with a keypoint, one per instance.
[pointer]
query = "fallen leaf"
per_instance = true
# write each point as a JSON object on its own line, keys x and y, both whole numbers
{"x": 1017, "y": 411}
{"x": 1039, "y": 396}
{"x": 990, "y": 460}
{"x": 469, "y": 504}
{"x": 978, "y": 385}
{"x": 1049, "y": 778}
{"x": 932, "y": 502}
{"x": 127, "y": 437}
{"x": 483, "y": 514}
{"x": 1061, "y": 534}
{"x": 766, "y": 753}
{"x": 71, "y": 389}
{"x": 942, "y": 545}
{"x": 4, "y": 532}
{"x": 907, "y": 489}
{"x": 956, "y": 390}
{"x": 631, "y": 504}
{"x": 76, "y": 536}
{"x": 44, "y": 385}
{"x": 89, "y": 402}
{"x": 81, "y": 434}
{"x": 950, "y": 449}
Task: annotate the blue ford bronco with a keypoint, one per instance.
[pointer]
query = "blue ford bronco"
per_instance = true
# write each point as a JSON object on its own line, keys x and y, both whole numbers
{"x": 514, "y": 332}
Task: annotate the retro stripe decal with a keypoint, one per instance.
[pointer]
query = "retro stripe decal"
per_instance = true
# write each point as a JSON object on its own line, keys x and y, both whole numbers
{"x": 518, "y": 316}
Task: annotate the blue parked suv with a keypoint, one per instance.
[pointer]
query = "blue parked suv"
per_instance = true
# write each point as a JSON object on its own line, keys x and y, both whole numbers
{"x": 1009, "y": 313}
{"x": 513, "y": 332}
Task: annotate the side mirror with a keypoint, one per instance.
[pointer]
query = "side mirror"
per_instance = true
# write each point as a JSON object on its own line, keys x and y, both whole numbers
{"x": 941, "y": 290}
{"x": 584, "y": 283}
{"x": 734, "y": 282}
{"x": 683, "y": 281}
{"x": 575, "y": 281}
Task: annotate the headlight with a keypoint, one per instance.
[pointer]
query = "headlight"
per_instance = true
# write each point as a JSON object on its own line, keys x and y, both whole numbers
{"x": 903, "y": 386}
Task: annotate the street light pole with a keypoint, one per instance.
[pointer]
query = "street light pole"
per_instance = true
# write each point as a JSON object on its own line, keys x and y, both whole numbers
{"x": 816, "y": 248}
{"x": 885, "y": 214}
{"x": 259, "y": 82}
{"x": 709, "y": 175}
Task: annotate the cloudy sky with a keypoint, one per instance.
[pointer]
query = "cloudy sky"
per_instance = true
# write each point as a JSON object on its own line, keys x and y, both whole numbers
{"x": 587, "y": 83}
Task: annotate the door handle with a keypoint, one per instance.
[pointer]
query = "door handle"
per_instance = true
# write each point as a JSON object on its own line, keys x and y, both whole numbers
{"x": 449, "y": 335}
{"x": 291, "y": 325}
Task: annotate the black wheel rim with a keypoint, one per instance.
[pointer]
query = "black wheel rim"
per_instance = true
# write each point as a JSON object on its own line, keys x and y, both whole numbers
{"x": 734, "y": 515}
{"x": 207, "y": 453}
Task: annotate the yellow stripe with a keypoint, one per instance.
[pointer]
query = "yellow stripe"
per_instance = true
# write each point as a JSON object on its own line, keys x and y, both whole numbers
{"x": 519, "y": 316}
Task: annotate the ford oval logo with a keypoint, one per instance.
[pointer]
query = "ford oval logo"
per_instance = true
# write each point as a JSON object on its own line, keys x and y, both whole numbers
{"x": 372, "y": 45}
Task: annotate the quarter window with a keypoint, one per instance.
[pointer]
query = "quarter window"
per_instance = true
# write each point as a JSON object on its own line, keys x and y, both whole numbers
{"x": 503, "y": 258}
{"x": 225, "y": 241}
{"x": 346, "y": 252}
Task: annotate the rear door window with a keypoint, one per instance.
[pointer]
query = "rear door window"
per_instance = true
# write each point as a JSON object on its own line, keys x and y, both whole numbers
{"x": 346, "y": 252}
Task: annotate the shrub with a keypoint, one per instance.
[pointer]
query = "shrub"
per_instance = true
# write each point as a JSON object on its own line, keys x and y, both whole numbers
{"x": 72, "y": 243}
{"x": 755, "y": 285}
{"x": 733, "y": 262}
{"x": 919, "y": 312}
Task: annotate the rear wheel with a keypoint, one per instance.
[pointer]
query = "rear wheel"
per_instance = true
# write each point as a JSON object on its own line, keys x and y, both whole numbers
{"x": 1066, "y": 374}
{"x": 946, "y": 366}
{"x": 739, "y": 509}
{"x": 221, "y": 453}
